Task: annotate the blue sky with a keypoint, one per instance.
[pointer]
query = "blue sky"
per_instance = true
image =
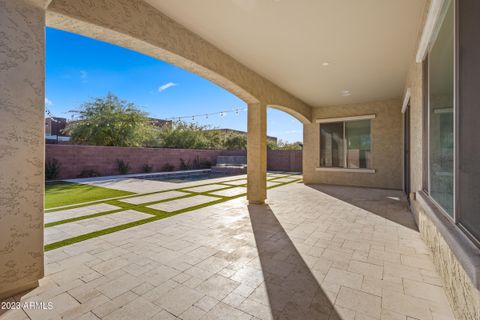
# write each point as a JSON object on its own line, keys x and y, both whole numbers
{"x": 80, "y": 68}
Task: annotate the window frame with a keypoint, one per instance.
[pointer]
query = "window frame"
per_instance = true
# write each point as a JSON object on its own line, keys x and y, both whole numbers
{"x": 344, "y": 120}
{"x": 454, "y": 216}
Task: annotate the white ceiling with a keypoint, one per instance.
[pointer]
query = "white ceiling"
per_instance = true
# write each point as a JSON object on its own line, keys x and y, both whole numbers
{"x": 369, "y": 44}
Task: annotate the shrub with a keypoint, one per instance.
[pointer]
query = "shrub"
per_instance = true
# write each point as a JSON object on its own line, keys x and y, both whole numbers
{"x": 123, "y": 167}
{"x": 185, "y": 165}
{"x": 167, "y": 167}
{"x": 199, "y": 163}
{"x": 147, "y": 168}
{"x": 88, "y": 173}
{"x": 52, "y": 169}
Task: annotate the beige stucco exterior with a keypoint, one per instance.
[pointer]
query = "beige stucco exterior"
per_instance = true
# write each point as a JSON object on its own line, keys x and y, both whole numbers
{"x": 415, "y": 83}
{"x": 257, "y": 153}
{"x": 386, "y": 131}
{"x": 21, "y": 144}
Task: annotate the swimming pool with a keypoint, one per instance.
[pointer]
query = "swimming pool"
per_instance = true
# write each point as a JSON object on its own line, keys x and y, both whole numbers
{"x": 179, "y": 176}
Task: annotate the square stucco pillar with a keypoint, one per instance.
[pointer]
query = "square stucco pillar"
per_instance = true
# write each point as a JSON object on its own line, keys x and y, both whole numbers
{"x": 257, "y": 153}
{"x": 22, "y": 61}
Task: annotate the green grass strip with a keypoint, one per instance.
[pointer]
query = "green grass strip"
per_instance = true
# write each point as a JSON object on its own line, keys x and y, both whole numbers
{"x": 83, "y": 237}
{"x": 62, "y": 193}
{"x": 131, "y": 195}
{"x": 157, "y": 214}
{"x": 99, "y": 214}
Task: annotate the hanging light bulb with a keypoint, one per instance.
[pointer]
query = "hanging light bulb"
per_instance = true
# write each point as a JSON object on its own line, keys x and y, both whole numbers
{"x": 236, "y": 112}
{"x": 206, "y": 116}
{"x": 221, "y": 114}
{"x": 193, "y": 118}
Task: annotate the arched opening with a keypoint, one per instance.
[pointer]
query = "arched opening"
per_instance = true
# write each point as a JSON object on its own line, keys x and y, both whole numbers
{"x": 130, "y": 24}
{"x": 88, "y": 68}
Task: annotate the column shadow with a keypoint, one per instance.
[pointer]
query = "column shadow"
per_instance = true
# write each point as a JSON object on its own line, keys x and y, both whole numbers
{"x": 292, "y": 289}
{"x": 389, "y": 204}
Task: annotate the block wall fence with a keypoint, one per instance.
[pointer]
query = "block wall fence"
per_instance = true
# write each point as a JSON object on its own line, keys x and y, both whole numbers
{"x": 74, "y": 159}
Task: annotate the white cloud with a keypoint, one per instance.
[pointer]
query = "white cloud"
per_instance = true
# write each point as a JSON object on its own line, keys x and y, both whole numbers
{"x": 48, "y": 102}
{"x": 83, "y": 75}
{"x": 166, "y": 86}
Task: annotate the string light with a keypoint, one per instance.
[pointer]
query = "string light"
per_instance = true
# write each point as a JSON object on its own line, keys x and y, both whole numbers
{"x": 207, "y": 115}
{"x": 192, "y": 117}
{"x": 50, "y": 115}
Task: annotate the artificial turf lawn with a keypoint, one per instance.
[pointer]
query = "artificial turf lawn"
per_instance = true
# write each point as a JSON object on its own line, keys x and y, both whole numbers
{"x": 61, "y": 193}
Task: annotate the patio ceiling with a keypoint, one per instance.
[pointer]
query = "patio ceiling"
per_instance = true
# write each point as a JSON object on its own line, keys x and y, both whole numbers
{"x": 367, "y": 44}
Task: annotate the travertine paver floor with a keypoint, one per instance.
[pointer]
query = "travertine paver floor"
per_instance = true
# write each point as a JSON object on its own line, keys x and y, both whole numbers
{"x": 183, "y": 203}
{"x": 305, "y": 255}
{"x": 155, "y": 197}
{"x": 207, "y": 188}
{"x": 236, "y": 182}
{"x": 72, "y": 229}
{"x": 230, "y": 192}
{"x": 78, "y": 212}
{"x": 281, "y": 180}
{"x": 145, "y": 186}
{"x": 272, "y": 183}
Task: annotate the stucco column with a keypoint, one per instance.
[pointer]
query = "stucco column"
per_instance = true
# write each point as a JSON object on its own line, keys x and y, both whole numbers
{"x": 257, "y": 153}
{"x": 22, "y": 61}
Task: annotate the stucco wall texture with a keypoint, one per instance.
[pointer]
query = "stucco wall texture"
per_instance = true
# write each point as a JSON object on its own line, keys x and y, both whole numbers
{"x": 387, "y": 146}
{"x": 21, "y": 144}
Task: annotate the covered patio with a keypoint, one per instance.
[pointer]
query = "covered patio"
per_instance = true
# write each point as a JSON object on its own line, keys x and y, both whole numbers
{"x": 312, "y": 252}
{"x": 376, "y": 85}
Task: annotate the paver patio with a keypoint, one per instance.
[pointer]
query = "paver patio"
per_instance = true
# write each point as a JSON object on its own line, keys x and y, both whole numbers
{"x": 206, "y": 188}
{"x": 78, "y": 212}
{"x": 72, "y": 229}
{"x": 155, "y": 197}
{"x": 181, "y": 204}
{"x": 272, "y": 183}
{"x": 236, "y": 182}
{"x": 308, "y": 254}
{"x": 230, "y": 192}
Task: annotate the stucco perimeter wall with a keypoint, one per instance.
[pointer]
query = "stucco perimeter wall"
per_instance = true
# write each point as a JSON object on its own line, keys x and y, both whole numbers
{"x": 74, "y": 159}
{"x": 387, "y": 146}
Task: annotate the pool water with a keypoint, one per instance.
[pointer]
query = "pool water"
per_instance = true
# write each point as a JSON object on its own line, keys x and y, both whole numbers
{"x": 185, "y": 177}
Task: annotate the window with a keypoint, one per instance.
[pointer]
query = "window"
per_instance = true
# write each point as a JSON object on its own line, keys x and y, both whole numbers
{"x": 468, "y": 115}
{"x": 346, "y": 144}
{"x": 441, "y": 114}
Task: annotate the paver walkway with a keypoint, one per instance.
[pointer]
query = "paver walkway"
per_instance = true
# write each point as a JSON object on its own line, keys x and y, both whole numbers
{"x": 305, "y": 255}
{"x": 66, "y": 225}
